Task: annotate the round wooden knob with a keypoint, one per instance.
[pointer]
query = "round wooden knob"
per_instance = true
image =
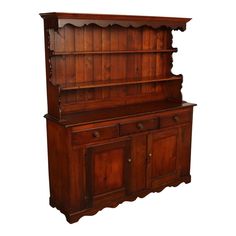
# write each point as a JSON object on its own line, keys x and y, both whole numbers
{"x": 176, "y": 118}
{"x": 129, "y": 160}
{"x": 140, "y": 126}
{"x": 96, "y": 134}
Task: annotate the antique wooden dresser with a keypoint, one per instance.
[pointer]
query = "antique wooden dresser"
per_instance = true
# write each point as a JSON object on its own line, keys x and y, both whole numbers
{"x": 117, "y": 126}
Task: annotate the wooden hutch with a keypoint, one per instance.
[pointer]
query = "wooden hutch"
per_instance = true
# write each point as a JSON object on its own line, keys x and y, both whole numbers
{"x": 117, "y": 126}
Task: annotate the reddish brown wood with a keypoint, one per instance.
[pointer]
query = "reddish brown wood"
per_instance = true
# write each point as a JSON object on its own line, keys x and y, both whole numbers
{"x": 89, "y": 57}
{"x": 164, "y": 156}
{"x": 117, "y": 126}
{"x": 112, "y": 83}
{"x": 137, "y": 126}
{"x": 58, "y": 166}
{"x": 175, "y": 118}
{"x": 139, "y": 161}
{"x": 56, "y": 20}
{"x": 107, "y": 171}
{"x": 93, "y": 135}
{"x": 98, "y": 52}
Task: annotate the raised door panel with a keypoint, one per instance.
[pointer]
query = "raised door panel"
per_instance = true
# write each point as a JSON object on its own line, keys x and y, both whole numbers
{"x": 107, "y": 170}
{"x": 164, "y": 157}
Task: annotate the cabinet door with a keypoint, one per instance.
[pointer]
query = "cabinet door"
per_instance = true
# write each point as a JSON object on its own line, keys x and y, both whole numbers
{"x": 107, "y": 172}
{"x": 163, "y": 154}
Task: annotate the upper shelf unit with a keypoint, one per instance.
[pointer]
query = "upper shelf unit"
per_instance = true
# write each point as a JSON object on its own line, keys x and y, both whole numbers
{"x": 103, "y": 61}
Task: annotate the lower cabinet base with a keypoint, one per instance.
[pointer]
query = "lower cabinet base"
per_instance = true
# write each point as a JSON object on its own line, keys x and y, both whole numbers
{"x": 75, "y": 216}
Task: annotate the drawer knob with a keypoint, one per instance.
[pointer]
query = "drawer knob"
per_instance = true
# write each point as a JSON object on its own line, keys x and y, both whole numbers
{"x": 176, "y": 118}
{"x": 96, "y": 134}
{"x": 140, "y": 126}
{"x": 129, "y": 160}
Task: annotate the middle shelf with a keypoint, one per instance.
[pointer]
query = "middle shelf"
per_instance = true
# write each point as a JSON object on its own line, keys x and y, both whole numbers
{"x": 116, "y": 82}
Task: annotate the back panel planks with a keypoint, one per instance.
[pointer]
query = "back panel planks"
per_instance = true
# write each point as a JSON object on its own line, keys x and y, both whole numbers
{"x": 134, "y": 64}
{"x": 79, "y": 70}
{"x": 97, "y": 60}
{"x": 106, "y": 60}
{"x": 148, "y": 60}
{"x": 88, "y": 59}
{"x": 152, "y": 60}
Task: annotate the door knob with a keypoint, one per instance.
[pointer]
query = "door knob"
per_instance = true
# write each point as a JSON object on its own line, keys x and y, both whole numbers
{"x": 140, "y": 126}
{"x": 96, "y": 134}
{"x": 176, "y": 118}
{"x": 129, "y": 160}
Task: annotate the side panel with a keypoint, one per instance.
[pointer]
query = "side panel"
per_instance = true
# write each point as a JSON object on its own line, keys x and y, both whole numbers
{"x": 58, "y": 166}
{"x": 185, "y": 137}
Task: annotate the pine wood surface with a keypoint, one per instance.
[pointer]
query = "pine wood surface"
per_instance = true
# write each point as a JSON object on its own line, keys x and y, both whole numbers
{"x": 117, "y": 126}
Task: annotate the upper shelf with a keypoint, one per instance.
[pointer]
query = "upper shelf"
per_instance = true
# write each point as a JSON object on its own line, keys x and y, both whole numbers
{"x": 53, "y": 53}
{"x": 117, "y": 82}
{"x": 58, "y": 20}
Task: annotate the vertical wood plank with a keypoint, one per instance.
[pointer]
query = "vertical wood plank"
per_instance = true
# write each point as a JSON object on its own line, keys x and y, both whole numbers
{"x": 164, "y": 60}
{"x": 134, "y": 62}
{"x": 152, "y": 59}
{"x": 52, "y": 59}
{"x": 79, "y": 68}
{"x": 148, "y": 60}
{"x": 115, "y": 69}
{"x": 52, "y": 39}
{"x": 97, "y": 59}
{"x": 122, "y": 59}
{"x": 159, "y": 56}
{"x": 138, "y": 57}
{"x": 70, "y": 59}
{"x": 168, "y": 56}
{"x": 114, "y": 60}
{"x": 88, "y": 60}
{"x": 60, "y": 61}
{"x": 106, "y": 63}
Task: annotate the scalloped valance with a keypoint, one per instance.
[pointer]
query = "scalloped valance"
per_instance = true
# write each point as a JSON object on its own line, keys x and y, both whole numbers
{"x": 58, "y": 20}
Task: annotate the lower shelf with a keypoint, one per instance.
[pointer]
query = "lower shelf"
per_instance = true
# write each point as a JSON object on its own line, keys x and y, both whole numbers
{"x": 75, "y": 216}
{"x": 117, "y": 82}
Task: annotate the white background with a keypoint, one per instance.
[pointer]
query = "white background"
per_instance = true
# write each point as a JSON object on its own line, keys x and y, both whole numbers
{"x": 206, "y": 58}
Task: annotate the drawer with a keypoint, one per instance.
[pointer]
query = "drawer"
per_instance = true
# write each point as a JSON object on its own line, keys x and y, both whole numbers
{"x": 94, "y": 135}
{"x": 175, "y": 118}
{"x": 139, "y": 126}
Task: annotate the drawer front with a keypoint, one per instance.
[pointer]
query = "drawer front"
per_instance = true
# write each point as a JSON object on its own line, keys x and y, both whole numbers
{"x": 139, "y": 126}
{"x": 94, "y": 135}
{"x": 175, "y": 118}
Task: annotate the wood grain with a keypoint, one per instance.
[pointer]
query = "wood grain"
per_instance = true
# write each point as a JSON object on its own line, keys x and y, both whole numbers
{"x": 117, "y": 126}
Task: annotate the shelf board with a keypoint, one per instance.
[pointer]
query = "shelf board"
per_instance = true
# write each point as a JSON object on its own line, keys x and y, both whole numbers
{"x": 126, "y": 111}
{"x": 53, "y": 53}
{"x": 117, "y": 82}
